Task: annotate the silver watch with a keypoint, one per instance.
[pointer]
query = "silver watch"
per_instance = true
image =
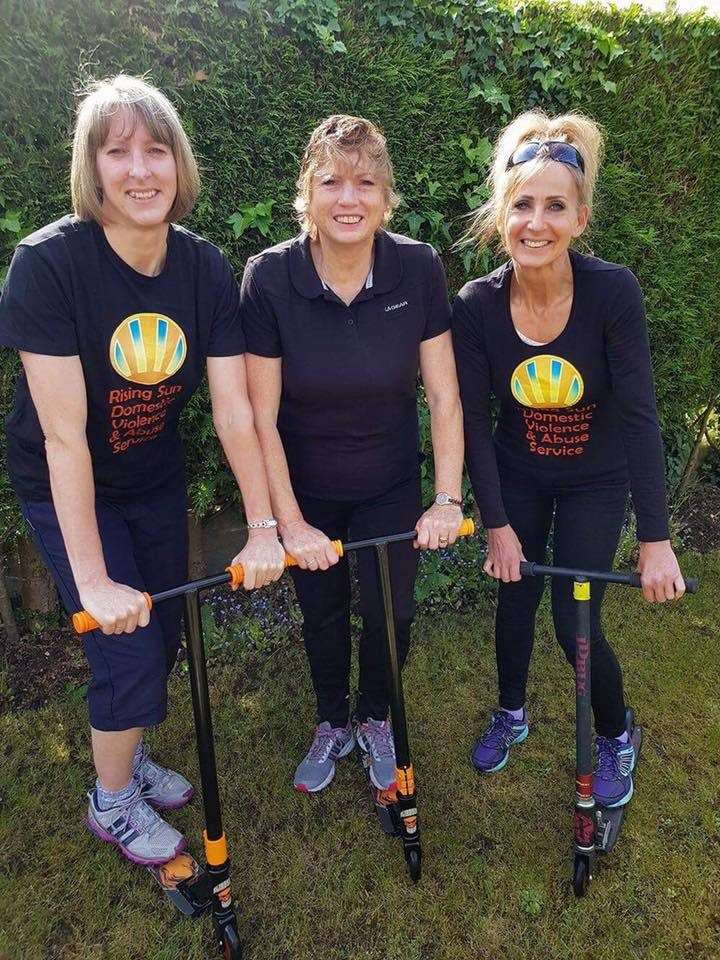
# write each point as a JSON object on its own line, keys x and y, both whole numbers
{"x": 265, "y": 524}
{"x": 443, "y": 498}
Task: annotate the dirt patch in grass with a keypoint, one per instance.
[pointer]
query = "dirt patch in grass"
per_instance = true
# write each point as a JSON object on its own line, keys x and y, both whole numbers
{"x": 699, "y": 518}
{"x": 40, "y": 667}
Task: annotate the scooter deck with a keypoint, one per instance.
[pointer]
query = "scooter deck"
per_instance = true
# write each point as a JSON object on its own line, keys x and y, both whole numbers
{"x": 186, "y": 885}
{"x": 609, "y": 820}
{"x": 384, "y": 801}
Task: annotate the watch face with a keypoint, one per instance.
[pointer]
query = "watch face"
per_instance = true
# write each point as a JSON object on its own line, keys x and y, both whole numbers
{"x": 442, "y": 498}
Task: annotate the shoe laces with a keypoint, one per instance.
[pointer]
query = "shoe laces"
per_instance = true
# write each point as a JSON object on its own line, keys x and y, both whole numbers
{"x": 139, "y": 815}
{"x": 323, "y": 743}
{"x": 499, "y": 733}
{"x": 152, "y": 773}
{"x": 614, "y": 759}
{"x": 378, "y": 734}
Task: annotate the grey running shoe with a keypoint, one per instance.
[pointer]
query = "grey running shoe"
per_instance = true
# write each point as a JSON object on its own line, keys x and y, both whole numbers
{"x": 375, "y": 739}
{"x": 162, "y": 788}
{"x": 318, "y": 768}
{"x": 136, "y": 830}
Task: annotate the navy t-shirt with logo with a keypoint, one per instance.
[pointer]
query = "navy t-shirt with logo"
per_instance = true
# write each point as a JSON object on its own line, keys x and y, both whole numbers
{"x": 142, "y": 341}
{"x": 348, "y": 408}
{"x": 577, "y": 411}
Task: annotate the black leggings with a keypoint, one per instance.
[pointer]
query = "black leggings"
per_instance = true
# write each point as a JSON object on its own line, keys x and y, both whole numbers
{"x": 587, "y": 524}
{"x": 324, "y": 598}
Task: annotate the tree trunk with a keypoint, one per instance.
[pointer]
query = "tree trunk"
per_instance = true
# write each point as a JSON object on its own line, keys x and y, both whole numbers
{"x": 6, "y": 611}
{"x": 196, "y": 554}
{"x": 699, "y": 450}
{"x": 36, "y": 585}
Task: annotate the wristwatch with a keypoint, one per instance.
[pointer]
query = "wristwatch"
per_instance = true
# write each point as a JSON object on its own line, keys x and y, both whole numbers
{"x": 266, "y": 524}
{"x": 443, "y": 498}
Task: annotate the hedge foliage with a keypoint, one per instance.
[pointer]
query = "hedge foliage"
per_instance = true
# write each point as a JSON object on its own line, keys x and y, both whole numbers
{"x": 252, "y": 77}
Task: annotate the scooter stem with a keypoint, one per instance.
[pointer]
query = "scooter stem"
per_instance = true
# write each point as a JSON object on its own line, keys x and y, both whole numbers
{"x": 584, "y": 820}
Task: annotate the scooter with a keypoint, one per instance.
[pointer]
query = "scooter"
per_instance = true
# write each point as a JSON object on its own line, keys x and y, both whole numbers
{"x": 595, "y": 827}
{"x": 397, "y": 807}
{"x": 195, "y": 889}
{"x": 192, "y": 888}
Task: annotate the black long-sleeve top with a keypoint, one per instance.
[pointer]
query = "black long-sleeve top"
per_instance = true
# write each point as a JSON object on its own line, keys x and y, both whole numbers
{"x": 578, "y": 411}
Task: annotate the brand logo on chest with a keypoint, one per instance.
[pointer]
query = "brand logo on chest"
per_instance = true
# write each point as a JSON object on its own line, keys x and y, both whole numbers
{"x": 396, "y": 306}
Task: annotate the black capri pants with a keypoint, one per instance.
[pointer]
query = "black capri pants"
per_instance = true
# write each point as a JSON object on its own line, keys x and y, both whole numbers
{"x": 324, "y": 598}
{"x": 587, "y": 523}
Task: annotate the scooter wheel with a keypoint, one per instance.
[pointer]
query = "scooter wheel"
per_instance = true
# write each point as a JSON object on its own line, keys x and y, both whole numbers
{"x": 581, "y": 875}
{"x": 414, "y": 865}
{"x": 232, "y": 948}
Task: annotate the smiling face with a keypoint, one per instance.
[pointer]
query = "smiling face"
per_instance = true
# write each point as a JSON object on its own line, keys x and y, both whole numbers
{"x": 137, "y": 174}
{"x": 348, "y": 201}
{"x": 544, "y": 216}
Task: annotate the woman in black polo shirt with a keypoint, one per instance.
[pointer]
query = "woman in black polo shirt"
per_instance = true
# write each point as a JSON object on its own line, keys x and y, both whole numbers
{"x": 117, "y": 312}
{"x": 338, "y": 321}
{"x": 560, "y": 339}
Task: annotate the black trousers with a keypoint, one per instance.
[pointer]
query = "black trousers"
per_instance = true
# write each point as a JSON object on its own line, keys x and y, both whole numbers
{"x": 324, "y": 597}
{"x": 587, "y": 524}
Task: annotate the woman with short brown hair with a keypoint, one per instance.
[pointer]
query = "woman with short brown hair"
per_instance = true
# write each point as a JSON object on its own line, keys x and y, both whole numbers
{"x": 339, "y": 321}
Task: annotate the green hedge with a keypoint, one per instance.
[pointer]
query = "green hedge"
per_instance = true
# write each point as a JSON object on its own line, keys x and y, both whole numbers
{"x": 251, "y": 79}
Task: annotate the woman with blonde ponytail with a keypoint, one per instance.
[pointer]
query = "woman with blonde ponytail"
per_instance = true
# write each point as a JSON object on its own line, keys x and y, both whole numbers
{"x": 560, "y": 339}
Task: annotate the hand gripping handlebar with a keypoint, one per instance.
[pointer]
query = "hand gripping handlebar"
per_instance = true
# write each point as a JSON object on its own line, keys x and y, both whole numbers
{"x": 234, "y": 574}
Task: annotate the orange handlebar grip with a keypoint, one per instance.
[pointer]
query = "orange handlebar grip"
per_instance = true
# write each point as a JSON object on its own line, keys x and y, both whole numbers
{"x": 83, "y": 622}
{"x": 467, "y": 527}
{"x": 338, "y": 547}
{"x": 236, "y": 574}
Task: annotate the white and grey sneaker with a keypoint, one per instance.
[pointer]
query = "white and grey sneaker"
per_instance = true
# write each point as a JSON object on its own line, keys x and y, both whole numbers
{"x": 162, "y": 788}
{"x": 318, "y": 768}
{"x": 138, "y": 832}
{"x": 375, "y": 739}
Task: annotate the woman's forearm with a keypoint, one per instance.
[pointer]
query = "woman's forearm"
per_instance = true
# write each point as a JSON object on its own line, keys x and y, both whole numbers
{"x": 73, "y": 493}
{"x": 446, "y": 429}
{"x": 242, "y": 448}
{"x": 285, "y": 506}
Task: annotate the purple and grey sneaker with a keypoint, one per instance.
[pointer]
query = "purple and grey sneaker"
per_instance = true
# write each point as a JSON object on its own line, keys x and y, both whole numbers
{"x": 375, "y": 739}
{"x": 140, "y": 834}
{"x": 317, "y": 769}
{"x": 163, "y": 789}
{"x": 612, "y": 780}
{"x": 492, "y": 750}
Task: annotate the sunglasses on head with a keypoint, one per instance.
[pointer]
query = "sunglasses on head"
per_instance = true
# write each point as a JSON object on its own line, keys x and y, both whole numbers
{"x": 555, "y": 149}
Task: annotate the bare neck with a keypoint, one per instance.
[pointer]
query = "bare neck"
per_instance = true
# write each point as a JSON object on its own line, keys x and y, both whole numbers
{"x": 144, "y": 249}
{"x": 542, "y": 287}
{"x": 342, "y": 267}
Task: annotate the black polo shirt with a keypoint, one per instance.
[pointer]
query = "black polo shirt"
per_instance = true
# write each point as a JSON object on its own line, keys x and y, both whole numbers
{"x": 348, "y": 409}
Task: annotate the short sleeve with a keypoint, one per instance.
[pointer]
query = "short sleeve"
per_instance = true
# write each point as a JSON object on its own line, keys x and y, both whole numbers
{"x": 226, "y": 334}
{"x": 35, "y": 312}
{"x": 258, "y": 318}
{"x": 438, "y": 316}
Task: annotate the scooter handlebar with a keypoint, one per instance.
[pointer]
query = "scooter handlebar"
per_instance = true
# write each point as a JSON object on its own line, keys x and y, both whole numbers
{"x": 83, "y": 622}
{"x": 528, "y": 569}
{"x": 237, "y": 574}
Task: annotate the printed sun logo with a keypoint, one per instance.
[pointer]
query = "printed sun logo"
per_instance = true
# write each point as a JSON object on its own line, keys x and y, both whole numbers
{"x": 546, "y": 382}
{"x": 147, "y": 348}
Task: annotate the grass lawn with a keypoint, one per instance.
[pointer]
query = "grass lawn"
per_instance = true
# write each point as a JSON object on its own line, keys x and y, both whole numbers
{"x": 315, "y": 878}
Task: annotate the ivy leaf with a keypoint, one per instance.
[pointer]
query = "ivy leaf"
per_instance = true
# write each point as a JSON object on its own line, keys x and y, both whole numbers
{"x": 609, "y": 86}
{"x": 339, "y": 47}
{"x": 414, "y": 222}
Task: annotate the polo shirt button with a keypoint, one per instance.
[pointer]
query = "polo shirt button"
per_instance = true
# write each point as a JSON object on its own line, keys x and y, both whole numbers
{"x": 351, "y": 321}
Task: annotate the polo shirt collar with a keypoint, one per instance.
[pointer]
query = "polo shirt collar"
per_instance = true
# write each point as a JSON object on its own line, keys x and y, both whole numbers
{"x": 386, "y": 270}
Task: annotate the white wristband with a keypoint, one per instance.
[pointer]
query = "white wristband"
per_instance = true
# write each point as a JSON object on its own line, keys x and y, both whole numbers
{"x": 265, "y": 524}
